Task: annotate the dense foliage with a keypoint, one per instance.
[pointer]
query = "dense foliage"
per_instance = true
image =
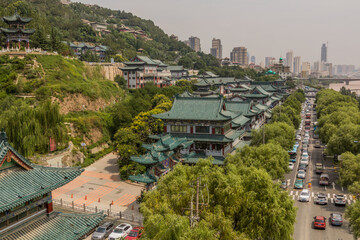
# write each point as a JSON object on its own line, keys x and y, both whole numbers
{"x": 339, "y": 119}
{"x": 29, "y": 129}
{"x": 242, "y": 203}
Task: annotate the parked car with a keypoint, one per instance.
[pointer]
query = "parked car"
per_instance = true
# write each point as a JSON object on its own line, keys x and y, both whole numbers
{"x": 291, "y": 165}
{"x": 321, "y": 198}
{"x": 317, "y": 144}
{"x": 298, "y": 138}
{"x": 304, "y": 161}
{"x": 301, "y": 174}
{"x": 320, "y": 222}
{"x": 292, "y": 159}
{"x": 319, "y": 168}
{"x": 136, "y": 233}
{"x": 121, "y": 231}
{"x": 340, "y": 200}
{"x": 299, "y": 184}
{"x": 304, "y": 196}
{"x": 336, "y": 219}
{"x": 103, "y": 231}
{"x": 302, "y": 166}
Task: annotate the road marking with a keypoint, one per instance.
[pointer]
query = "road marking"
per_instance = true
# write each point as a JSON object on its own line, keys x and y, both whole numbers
{"x": 293, "y": 197}
{"x": 329, "y": 195}
{"x": 291, "y": 192}
{"x": 296, "y": 193}
{"x": 334, "y": 195}
{"x": 349, "y": 202}
{"x": 345, "y": 197}
{"x": 331, "y": 200}
{"x": 312, "y": 194}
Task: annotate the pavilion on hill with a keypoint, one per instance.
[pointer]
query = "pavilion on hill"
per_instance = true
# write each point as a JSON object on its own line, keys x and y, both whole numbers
{"x": 16, "y": 30}
{"x": 26, "y": 208}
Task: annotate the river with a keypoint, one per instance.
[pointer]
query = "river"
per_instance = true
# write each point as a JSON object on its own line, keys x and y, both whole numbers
{"x": 354, "y": 86}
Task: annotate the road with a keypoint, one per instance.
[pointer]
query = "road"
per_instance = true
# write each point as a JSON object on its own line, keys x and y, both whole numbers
{"x": 307, "y": 210}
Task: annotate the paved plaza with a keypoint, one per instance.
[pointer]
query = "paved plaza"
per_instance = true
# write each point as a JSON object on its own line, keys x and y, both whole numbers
{"x": 99, "y": 186}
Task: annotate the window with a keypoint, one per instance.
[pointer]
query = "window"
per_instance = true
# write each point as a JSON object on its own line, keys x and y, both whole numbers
{"x": 217, "y": 130}
{"x": 202, "y": 129}
{"x": 218, "y": 147}
{"x": 179, "y": 128}
{"x": 202, "y": 146}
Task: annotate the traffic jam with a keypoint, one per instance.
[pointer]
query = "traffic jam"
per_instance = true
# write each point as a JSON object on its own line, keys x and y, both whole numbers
{"x": 305, "y": 168}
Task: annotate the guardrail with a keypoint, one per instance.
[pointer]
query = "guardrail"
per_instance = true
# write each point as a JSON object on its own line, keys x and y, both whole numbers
{"x": 108, "y": 212}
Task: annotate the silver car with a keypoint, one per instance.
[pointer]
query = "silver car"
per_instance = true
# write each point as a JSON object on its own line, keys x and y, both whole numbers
{"x": 321, "y": 198}
{"x": 103, "y": 231}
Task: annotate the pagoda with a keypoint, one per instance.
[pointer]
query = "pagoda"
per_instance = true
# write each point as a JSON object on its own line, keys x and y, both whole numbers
{"x": 26, "y": 208}
{"x": 17, "y": 31}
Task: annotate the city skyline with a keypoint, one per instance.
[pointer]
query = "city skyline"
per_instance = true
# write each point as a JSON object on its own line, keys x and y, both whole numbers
{"x": 269, "y": 35}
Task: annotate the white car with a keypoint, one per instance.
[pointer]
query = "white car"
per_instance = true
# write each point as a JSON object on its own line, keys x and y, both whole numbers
{"x": 304, "y": 196}
{"x": 305, "y": 155}
{"x": 298, "y": 138}
{"x": 121, "y": 231}
{"x": 304, "y": 161}
{"x": 291, "y": 165}
{"x": 301, "y": 174}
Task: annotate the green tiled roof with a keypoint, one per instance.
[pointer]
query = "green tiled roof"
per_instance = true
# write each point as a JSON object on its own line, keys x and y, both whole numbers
{"x": 260, "y": 90}
{"x": 186, "y": 108}
{"x": 240, "y": 107}
{"x": 39, "y": 180}
{"x": 129, "y": 68}
{"x": 199, "y": 137}
{"x": 17, "y": 30}
{"x": 241, "y": 145}
{"x": 193, "y": 159}
{"x": 187, "y": 94}
{"x": 238, "y": 89}
{"x": 221, "y": 80}
{"x": 15, "y": 18}
{"x": 166, "y": 143}
{"x": 202, "y": 82}
{"x": 144, "y": 178}
{"x": 240, "y": 121}
{"x": 254, "y": 95}
{"x": 175, "y": 68}
{"x": 59, "y": 226}
{"x": 152, "y": 157}
{"x": 147, "y": 60}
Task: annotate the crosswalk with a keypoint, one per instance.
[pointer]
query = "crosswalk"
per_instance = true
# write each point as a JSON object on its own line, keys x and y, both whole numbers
{"x": 330, "y": 197}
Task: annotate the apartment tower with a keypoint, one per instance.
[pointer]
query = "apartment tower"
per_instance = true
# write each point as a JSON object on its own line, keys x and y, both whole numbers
{"x": 216, "y": 48}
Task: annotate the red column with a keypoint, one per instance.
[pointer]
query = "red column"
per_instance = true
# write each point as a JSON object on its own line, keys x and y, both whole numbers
{"x": 49, "y": 207}
{"x": 8, "y": 44}
{"x": 27, "y": 45}
{"x": 19, "y": 45}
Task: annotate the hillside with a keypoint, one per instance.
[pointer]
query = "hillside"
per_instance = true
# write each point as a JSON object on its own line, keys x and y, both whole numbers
{"x": 65, "y": 22}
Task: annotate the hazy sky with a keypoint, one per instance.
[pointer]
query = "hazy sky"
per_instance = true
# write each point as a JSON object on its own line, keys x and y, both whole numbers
{"x": 265, "y": 27}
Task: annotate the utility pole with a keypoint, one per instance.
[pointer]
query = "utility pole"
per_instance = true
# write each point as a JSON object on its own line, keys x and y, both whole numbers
{"x": 195, "y": 218}
{"x": 263, "y": 134}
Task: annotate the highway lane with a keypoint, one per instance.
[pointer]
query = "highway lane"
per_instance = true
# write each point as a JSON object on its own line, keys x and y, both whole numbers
{"x": 307, "y": 210}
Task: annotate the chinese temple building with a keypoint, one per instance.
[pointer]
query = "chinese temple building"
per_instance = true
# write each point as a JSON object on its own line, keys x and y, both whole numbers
{"x": 141, "y": 70}
{"x": 26, "y": 208}
{"x": 17, "y": 31}
{"x": 160, "y": 158}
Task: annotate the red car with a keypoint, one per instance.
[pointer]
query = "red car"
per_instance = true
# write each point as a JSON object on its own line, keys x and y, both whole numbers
{"x": 320, "y": 222}
{"x": 135, "y": 233}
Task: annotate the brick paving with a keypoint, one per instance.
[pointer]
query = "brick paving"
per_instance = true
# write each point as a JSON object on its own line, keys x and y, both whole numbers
{"x": 101, "y": 185}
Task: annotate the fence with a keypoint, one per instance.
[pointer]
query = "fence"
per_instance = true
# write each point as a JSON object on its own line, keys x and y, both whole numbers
{"x": 108, "y": 212}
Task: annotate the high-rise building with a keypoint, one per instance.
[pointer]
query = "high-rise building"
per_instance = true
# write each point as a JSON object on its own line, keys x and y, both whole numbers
{"x": 306, "y": 67}
{"x": 253, "y": 59}
{"x": 324, "y": 53}
{"x": 289, "y": 60}
{"x": 194, "y": 43}
{"x": 216, "y": 48}
{"x": 269, "y": 61}
{"x": 316, "y": 67}
{"x": 297, "y": 64}
{"x": 239, "y": 56}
